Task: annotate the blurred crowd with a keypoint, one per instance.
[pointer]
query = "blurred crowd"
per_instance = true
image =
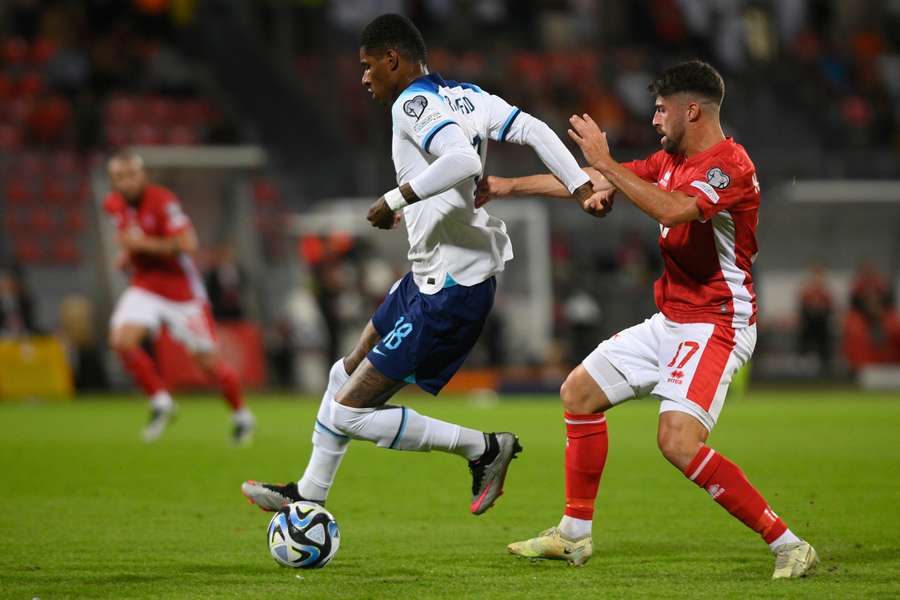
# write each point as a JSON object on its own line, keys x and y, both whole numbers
{"x": 828, "y": 68}
{"x": 813, "y": 91}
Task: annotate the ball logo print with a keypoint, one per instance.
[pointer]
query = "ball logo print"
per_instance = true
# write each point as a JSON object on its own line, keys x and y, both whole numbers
{"x": 303, "y": 535}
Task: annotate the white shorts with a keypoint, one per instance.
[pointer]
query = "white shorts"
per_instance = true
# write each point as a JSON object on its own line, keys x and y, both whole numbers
{"x": 688, "y": 366}
{"x": 188, "y": 322}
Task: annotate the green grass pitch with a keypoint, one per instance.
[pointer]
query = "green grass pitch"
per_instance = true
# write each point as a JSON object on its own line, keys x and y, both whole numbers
{"x": 89, "y": 511}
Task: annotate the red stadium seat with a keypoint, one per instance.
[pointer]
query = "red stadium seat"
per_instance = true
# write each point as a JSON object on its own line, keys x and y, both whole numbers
{"x": 15, "y": 51}
{"x": 30, "y": 85}
{"x": 147, "y": 134}
{"x": 55, "y": 191}
{"x": 73, "y": 220}
{"x": 65, "y": 251}
{"x": 28, "y": 251}
{"x": 39, "y": 222}
{"x": 6, "y": 88}
{"x": 10, "y": 138}
{"x": 121, "y": 110}
{"x": 50, "y": 119}
{"x": 183, "y": 135}
{"x": 17, "y": 191}
{"x": 42, "y": 50}
{"x": 65, "y": 163}
{"x": 160, "y": 110}
{"x": 118, "y": 135}
{"x": 19, "y": 109}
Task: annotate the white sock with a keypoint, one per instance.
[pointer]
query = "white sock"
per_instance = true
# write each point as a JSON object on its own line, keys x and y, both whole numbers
{"x": 402, "y": 428}
{"x": 161, "y": 400}
{"x": 787, "y": 537}
{"x": 573, "y": 528}
{"x": 329, "y": 445}
{"x": 242, "y": 416}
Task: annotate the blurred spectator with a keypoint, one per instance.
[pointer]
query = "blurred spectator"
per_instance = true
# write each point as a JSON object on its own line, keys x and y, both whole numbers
{"x": 225, "y": 282}
{"x": 816, "y": 311}
{"x": 872, "y": 326}
{"x": 16, "y": 306}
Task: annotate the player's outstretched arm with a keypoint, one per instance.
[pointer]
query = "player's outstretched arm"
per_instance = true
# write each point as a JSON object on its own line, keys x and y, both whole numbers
{"x": 667, "y": 208}
{"x": 456, "y": 162}
{"x": 598, "y": 202}
{"x": 133, "y": 240}
{"x": 522, "y": 128}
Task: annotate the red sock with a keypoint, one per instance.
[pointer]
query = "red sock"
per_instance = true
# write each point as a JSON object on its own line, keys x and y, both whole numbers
{"x": 142, "y": 369}
{"x": 586, "y": 445}
{"x": 728, "y": 486}
{"x": 229, "y": 383}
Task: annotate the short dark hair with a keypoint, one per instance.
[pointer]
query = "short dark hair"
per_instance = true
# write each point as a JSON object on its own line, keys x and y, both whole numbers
{"x": 692, "y": 76}
{"x": 391, "y": 31}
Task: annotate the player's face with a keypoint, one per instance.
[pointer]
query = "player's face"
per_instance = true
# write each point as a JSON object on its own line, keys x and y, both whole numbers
{"x": 668, "y": 119}
{"x": 377, "y": 74}
{"x": 127, "y": 178}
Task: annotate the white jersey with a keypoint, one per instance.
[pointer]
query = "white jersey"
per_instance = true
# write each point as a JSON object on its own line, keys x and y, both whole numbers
{"x": 450, "y": 241}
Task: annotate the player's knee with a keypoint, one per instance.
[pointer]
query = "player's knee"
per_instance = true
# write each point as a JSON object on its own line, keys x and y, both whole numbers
{"x": 677, "y": 445}
{"x": 347, "y": 420}
{"x": 121, "y": 342}
{"x": 578, "y": 396}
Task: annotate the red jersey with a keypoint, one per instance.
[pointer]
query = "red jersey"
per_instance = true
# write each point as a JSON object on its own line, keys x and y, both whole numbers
{"x": 707, "y": 276}
{"x": 158, "y": 214}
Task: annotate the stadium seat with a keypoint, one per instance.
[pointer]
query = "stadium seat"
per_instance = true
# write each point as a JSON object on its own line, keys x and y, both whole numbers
{"x": 28, "y": 252}
{"x": 147, "y": 134}
{"x": 40, "y": 223}
{"x": 41, "y": 51}
{"x": 121, "y": 110}
{"x": 30, "y": 85}
{"x": 65, "y": 251}
{"x": 10, "y": 138}
{"x": 17, "y": 191}
{"x": 15, "y": 51}
{"x": 182, "y": 135}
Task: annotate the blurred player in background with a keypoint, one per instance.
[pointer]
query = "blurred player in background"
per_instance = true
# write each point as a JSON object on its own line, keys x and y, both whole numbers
{"x": 156, "y": 240}
{"x": 432, "y": 317}
{"x": 702, "y": 190}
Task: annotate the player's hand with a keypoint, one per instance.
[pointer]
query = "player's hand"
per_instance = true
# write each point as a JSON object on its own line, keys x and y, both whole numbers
{"x": 381, "y": 215}
{"x": 131, "y": 238}
{"x": 123, "y": 260}
{"x": 590, "y": 139}
{"x": 599, "y": 204}
{"x": 491, "y": 187}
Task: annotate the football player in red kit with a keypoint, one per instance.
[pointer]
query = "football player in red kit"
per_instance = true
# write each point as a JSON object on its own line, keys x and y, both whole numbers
{"x": 156, "y": 240}
{"x": 702, "y": 190}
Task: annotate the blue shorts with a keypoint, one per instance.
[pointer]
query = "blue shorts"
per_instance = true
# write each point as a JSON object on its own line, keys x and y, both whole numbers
{"x": 426, "y": 337}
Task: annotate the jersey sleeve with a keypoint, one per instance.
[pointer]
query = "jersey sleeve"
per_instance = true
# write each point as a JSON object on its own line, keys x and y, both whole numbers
{"x": 420, "y": 115}
{"x": 647, "y": 169}
{"x": 722, "y": 188}
{"x": 501, "y": 116}
{"x": 173, "y": 219}
{"x": 113, "y": 208}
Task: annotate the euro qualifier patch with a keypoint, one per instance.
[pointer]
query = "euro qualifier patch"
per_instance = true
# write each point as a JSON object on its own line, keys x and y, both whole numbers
{"x": 717, "y": 178}
{"x": 415, "y": 106}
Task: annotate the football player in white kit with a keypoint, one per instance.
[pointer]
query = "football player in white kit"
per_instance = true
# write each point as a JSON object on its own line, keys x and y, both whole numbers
{"x": 432, "y": 317}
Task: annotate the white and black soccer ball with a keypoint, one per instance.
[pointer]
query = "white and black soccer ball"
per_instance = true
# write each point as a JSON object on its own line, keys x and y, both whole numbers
{"x": 303, "y": 535}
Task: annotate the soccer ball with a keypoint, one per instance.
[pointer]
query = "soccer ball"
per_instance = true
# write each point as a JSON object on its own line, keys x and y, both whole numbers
{"x": 303, "y": 535}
